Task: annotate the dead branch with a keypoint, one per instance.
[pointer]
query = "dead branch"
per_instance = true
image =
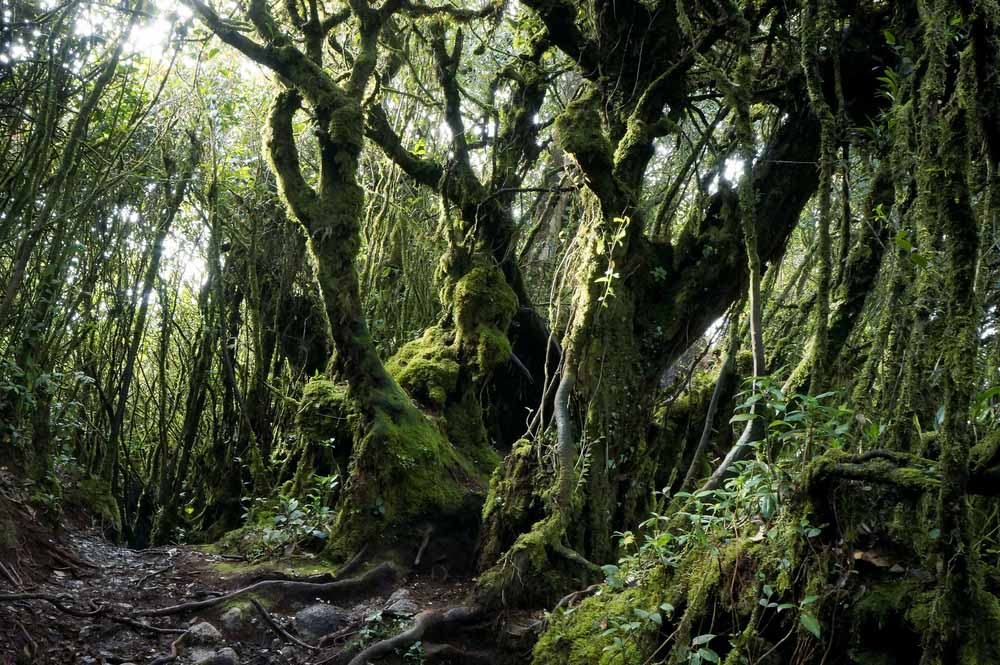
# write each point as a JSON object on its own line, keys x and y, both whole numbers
{"x": 153, "y": 574}
{"x": 172, "y": 656}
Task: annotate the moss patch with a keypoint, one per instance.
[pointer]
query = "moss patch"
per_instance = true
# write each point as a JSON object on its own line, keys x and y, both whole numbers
{"x": 95, "y": 495}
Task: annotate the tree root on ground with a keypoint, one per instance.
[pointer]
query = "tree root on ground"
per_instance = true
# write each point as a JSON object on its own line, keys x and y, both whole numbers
{"x": 381, "y": 574}
{"x": 276, "y": 627}
{"x": 447, "y": 653}
{"x": 570, "y": 599}
{"x": 426, "y": 620}
{"x": 352, "y": 565}
{"x": 56, "y": 601}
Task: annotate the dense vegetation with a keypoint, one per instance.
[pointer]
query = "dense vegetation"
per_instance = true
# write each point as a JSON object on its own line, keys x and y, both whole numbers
{"x": 676, "y": 318}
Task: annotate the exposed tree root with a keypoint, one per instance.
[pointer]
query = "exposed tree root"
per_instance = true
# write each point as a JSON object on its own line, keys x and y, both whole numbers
{"x": 56, "y": 601}
{"x": 906, "y": 472}
{"x": 381, "y": 574}
{"x": 276, "y": 627}
{"x": 134, "y": 623}
{"x": 425, "y": 621}
{"x": 576, "y": 596}
{"x": 447, "y": 653}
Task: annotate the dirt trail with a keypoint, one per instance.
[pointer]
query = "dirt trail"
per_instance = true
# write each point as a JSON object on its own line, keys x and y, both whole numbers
{"x": 106, "y": 592}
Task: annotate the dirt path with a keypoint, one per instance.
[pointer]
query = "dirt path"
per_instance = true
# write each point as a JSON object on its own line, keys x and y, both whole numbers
{"x": 107, "y": 591}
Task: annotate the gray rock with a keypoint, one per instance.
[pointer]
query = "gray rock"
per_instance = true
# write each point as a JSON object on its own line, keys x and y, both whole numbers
{"x": 200, "y": 642}
{"x": 404, "y": 607}
{"x": 399, "y": 594}
{"x": 233, "y": 619}
{"x": 221, "y": 657}
{"x": 318, "y": 620}
{"x": 288, "y": 653}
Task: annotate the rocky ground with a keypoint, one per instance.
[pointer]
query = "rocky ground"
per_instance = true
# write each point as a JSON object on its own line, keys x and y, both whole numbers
{"x": 98, "y": 603}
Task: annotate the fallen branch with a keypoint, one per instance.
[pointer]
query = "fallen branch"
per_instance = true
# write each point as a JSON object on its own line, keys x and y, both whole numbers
{"x": 153, "y": 574}
{"x": 71, "y": 560}
{"x": 11, "y": 574}
{"x": 32, "y": 645}
{"x": 172, "y": 656}
{"x": 425, "y": 621}
{"x": 276, "y": 627}
{"x": 423, "y": 545}
{"x": 382, "y": 573}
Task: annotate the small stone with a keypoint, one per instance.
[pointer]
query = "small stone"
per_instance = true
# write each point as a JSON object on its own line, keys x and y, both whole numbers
{"x": 318, "y": 620}
{"x": 404, "y": 607}
{"x": 399, "y": 594}
{"x": 203, "y": 633}
{"x": 288, "y": 653}
{"x": 221, "y": 657}
{"x": 233, "y": 619}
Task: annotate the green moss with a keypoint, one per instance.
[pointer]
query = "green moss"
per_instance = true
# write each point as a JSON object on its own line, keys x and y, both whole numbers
{"x": 294, "y": 566}
{"x": 427, "y": 368}
{"x": 95, "y": 495}
{"x": 577, "y": 636}
{"x": 530, "y": 572}
{"x": 403, "y": 472}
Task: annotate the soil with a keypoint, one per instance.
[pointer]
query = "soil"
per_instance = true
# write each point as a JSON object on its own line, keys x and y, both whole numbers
{"x": 103, "y": 586}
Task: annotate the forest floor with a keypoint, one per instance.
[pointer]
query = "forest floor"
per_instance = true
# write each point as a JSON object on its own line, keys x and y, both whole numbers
{"x": 102, "y": 599}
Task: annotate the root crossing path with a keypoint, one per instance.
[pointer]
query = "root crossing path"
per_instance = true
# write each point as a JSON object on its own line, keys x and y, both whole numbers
{"x": 104, "y": 604}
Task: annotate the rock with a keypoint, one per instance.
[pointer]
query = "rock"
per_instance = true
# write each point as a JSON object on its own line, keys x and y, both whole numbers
{"x": 403, "y": 607}
{"x": 203, "y": 634}
{"x": 317, "y": 621}
{"x": 288, "y": 653}
{"x": 221, "y": 657}
{"x": 233, "y": 619}
{"x": 401, "y": 604}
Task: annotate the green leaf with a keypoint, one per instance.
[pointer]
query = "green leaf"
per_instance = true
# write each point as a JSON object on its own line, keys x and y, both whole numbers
{"x": 702, "y": 639}
{"x": 708, "y": 655}
{"x": 810, "y": 623}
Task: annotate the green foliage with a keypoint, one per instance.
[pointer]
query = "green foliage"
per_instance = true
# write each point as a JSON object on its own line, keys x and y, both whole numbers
{"x": 753, "y": 526}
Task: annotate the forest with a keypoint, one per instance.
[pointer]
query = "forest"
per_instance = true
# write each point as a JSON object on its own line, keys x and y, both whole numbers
{"x": 616, "y": 332}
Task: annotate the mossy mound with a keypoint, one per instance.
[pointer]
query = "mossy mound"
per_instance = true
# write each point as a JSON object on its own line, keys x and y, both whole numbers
{"x": 534, "y": 571}
{"x": 403, "y": 475}
{"x": 95, "y": 495}
{"x": 484, "y": 306}
{"x": 428, "y": 367}
{"x": 776, "y": 592}
{"x": 325, "y": 424}
{"x": 512, "y": 503}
